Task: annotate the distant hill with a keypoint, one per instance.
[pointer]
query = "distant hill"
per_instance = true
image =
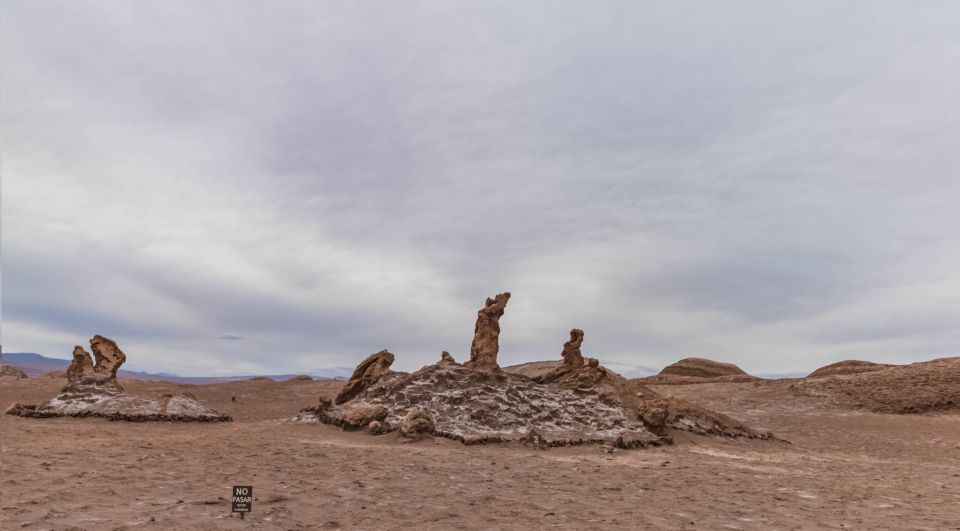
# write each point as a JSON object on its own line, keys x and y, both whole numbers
{"x": 37, "y": 365}
{"x": 698, "y": 370}
{"x": 848, "y": 367}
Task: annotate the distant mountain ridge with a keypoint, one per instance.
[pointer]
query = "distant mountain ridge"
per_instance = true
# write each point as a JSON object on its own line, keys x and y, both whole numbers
{"x": 34, "y": 365}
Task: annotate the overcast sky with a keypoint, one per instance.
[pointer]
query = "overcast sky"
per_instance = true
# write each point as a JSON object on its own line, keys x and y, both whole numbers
{"x": 239, "y": 186}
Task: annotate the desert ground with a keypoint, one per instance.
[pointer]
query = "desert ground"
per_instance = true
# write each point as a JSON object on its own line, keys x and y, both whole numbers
{"x": 833, "y": 467}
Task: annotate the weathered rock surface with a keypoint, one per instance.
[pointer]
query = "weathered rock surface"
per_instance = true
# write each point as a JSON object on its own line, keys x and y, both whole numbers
{"x": 9, "y": 371}
{"x": 416, "y": 423}
{"x": 374, "y": 367}
{"x": 107, "y": 354}
{"x": 847, "y": 367}
{"x": 92, "y": 390}
{"x": 478, "y": 405}
{"x": 592, "y": 405}
{"x": 486, "y": 333}
{"x": 923, "y": 387}
{"x": 362, "y": 414}
{"x": 572, "y": 358}
{"x": 445, "y": 357}
{"x": 81, "y": 366}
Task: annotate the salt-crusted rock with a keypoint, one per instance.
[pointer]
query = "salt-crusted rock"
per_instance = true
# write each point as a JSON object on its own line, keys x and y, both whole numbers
{"x": 416, "y": 423}
{"x": 374, "y": 367}
{"x": 486, "y": 333}
{"x": 576, "y": 401}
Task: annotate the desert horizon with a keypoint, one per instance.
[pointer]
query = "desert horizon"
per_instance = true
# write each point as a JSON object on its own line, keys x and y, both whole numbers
{"x": 823, "y": 451}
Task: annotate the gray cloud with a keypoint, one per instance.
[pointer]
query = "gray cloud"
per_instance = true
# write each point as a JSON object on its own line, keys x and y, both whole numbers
{"x": 769, "y": 185}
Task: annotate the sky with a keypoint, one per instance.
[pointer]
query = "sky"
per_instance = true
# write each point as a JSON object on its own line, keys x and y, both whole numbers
{"x": 235, "y": 186}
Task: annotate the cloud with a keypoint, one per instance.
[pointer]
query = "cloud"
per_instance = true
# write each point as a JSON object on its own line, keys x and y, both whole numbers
{"x": 769, "y": 186}
{"x": 231, "y": 337}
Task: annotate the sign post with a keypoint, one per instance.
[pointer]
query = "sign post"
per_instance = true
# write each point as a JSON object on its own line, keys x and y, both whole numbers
{"x": 242, "y": 500}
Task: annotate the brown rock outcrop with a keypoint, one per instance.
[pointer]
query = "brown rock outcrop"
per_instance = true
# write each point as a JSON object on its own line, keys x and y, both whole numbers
{"x": 108, "y": 355}
{"x": 81, "y": 366}
{"x": 572, "y": 358}
{"x": 374, "y": 367}
{"x": 362, "y": 414}
{"x": 445, "y": 357}
{"x": 486, "y": 333}
{"x": 416, "y": 423}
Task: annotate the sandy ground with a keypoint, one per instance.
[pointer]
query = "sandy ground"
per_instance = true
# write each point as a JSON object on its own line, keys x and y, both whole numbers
{"x": 841, "y": 469}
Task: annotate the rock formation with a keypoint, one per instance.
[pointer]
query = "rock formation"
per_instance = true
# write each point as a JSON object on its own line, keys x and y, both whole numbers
{"x": 108, "y": 355}
{"x": 486, "y": 333}
{"x": 572, "y": 359}
{"x": 92, "y": 390}
{"x": 577, "y": 401}
{"x": 366, "y": 374}
{"x": 445, "y": 357}
{"x": 81, "y": 366}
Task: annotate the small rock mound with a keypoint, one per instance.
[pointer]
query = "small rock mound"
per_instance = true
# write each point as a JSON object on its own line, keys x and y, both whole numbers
{"x": 847, "y": 367}
{"x": 92, "y": 390}
{"x": 9, "y": 371}
{"x": 916, "y": 388}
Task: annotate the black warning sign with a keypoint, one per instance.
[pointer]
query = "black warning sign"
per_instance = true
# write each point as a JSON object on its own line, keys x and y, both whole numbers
{"x": 242, "y": 499}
